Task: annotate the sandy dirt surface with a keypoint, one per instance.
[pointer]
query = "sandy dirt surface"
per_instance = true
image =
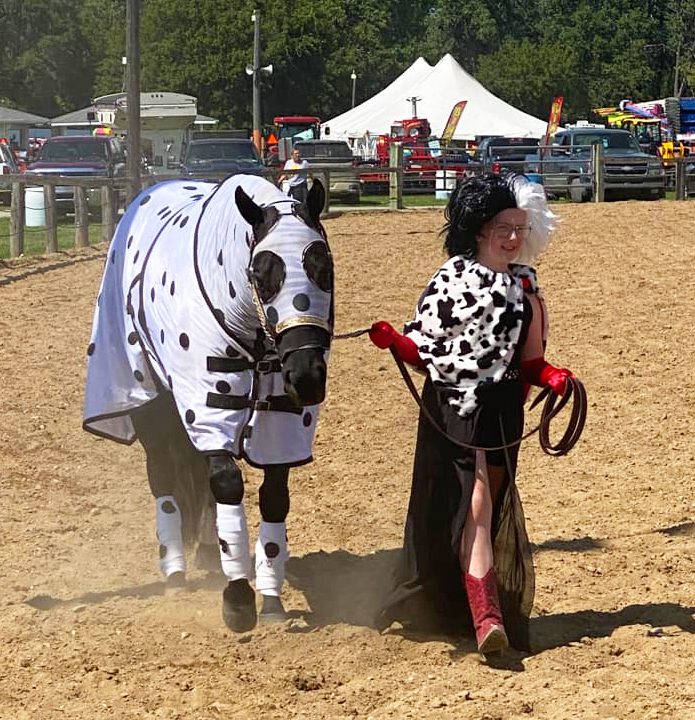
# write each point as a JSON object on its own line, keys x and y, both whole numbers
{"x": 86, "y": 632}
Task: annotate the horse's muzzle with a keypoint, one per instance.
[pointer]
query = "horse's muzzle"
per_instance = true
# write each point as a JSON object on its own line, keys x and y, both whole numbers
{"x": 302, "y": 354}
{"x": 304, "y": 375}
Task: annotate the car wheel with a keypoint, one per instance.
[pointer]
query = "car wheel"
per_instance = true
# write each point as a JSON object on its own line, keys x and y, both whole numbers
{"x": 579, "y": 192}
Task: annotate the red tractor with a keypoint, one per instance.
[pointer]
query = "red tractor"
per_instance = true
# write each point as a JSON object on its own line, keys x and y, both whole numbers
{"x": 423, "y": 158}
{"x": 292, "y": 128}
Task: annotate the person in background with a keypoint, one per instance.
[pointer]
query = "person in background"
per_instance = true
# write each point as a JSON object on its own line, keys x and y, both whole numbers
{"x": 479, "y": 334}
{"x": 296, "y": 173}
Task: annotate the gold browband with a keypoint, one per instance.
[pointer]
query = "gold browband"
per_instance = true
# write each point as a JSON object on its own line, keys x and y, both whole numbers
{"x": 303, "y": 320}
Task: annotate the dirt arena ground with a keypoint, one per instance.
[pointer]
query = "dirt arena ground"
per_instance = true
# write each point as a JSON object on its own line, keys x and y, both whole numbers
{"x": 86, "y": 632}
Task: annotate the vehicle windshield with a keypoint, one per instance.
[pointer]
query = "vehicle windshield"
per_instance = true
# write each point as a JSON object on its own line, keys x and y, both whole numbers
{"x": 307, "y": 131}
{"x": 617, "y": 141}
{"x": 74, "y": 151}
{"x": 239, "y": 152}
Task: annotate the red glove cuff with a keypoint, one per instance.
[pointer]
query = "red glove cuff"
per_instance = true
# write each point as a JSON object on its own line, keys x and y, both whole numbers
{"x": 384, "y": 335}
{"x": 543, "y": 374}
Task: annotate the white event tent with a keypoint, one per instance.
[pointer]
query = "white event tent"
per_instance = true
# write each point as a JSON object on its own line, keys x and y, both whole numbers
{"x": 438, "y": 89}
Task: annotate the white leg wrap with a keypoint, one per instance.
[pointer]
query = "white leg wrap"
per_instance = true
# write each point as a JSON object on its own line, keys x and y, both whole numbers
{"x": 233, "y": 536}
{"x": 172, "y": 557}
{"x": 271, "y": 556}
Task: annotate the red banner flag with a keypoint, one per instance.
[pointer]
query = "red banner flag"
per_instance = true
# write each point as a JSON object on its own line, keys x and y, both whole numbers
{"x": 553, "y": 121}
{"x": 453, "y": 121}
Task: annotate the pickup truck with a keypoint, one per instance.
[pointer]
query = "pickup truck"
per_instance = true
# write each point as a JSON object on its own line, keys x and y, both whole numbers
{"x": 628, "y": 171}
{"x": 82, "y": 156}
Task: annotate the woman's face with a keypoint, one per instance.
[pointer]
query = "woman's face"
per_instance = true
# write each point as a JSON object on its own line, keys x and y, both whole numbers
{"x": 500, "y": 239}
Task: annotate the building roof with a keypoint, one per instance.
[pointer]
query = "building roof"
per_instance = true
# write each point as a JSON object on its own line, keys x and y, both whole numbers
{"x": 10, "y": 117}
{"x": 76, "y": 118}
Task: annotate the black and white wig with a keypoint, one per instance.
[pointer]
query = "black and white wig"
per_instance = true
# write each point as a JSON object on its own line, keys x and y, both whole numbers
{"x": 477, "y": 199}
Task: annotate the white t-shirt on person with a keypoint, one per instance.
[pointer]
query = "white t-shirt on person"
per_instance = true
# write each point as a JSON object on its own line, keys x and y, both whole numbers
{"x": 300, "y": 177}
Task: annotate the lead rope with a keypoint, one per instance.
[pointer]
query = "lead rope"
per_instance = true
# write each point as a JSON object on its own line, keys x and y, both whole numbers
{"x": 574, "y": 388}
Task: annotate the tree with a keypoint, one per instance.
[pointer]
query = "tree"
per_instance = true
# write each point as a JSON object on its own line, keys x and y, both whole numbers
{"x": 44, "y": 63}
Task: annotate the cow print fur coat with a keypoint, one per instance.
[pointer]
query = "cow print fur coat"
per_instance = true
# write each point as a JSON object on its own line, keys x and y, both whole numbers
{"x": 467, "y": 326}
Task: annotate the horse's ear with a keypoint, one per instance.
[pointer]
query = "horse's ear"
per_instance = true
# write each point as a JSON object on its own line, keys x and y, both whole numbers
{"x": 252, "y": 213}
{"x": 315, "y": 201}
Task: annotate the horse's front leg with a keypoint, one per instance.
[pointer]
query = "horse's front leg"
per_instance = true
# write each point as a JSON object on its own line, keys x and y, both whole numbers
{"x": 271, "y": 547}
{"x": 238, "y": 599}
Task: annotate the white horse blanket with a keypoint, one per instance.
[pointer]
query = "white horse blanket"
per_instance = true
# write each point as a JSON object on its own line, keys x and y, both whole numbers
{"x": 175, "y": 308}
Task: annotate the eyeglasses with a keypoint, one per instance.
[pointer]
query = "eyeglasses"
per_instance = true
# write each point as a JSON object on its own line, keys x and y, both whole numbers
{"x": 504, "y": 231}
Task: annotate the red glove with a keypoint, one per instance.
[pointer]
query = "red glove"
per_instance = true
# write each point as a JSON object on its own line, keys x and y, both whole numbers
{"x": 384, "y": 336}
{"x": 539, "y": 372}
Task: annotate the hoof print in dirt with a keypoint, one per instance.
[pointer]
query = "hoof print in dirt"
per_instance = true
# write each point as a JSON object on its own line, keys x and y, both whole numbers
{"x": 272, "y": 611}
{"x": 239, "y": 606}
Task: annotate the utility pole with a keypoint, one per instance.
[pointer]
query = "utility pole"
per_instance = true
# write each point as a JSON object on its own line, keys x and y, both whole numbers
{"x": 132, "y": 19}
{"x": 676, "y": 82}
{"x": 256, "y": 17}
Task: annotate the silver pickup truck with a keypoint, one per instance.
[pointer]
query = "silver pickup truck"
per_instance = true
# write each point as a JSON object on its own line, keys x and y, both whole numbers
{"x": 628, "y": 171}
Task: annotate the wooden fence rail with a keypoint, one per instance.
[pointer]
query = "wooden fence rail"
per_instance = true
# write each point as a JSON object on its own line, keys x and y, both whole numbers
{"x": 112, "y": 193}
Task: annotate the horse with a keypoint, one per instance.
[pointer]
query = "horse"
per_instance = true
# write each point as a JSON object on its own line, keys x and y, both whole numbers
{"x": 209, "y": 344}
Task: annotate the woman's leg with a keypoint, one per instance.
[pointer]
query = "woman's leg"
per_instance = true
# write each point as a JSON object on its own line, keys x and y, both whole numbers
{"x": 477, "y": 559}
{"x": 476, "y": 542}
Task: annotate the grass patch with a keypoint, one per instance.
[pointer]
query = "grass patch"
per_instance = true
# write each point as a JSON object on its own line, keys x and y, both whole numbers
{"x": 383, "y": 201}
{"x": 35, "y": 237}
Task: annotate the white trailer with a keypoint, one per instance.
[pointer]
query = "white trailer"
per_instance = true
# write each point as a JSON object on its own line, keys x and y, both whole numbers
{"x": 166, "y": 123}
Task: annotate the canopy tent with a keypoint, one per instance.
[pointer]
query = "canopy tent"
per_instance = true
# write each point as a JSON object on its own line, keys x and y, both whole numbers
{"x": 437, "y": 90}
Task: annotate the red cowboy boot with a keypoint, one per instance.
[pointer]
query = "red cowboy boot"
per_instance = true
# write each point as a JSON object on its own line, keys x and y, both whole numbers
{"x": 487, "y": 616}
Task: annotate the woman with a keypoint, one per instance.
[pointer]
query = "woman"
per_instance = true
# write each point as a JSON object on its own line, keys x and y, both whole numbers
{"x": 479, "y": 334}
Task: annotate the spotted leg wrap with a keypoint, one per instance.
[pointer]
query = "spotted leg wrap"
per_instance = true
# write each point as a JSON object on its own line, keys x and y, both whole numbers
{"x": 233, "y": 536}
{"x": 172, "y": 557}
{"x": 271, "y": 556}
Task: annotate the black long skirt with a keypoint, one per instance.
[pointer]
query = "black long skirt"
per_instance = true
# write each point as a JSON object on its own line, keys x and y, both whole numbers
{"x": 428, "y": 592}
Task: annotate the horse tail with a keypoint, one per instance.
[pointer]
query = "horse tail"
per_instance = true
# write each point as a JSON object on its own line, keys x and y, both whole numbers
{"x": 174, "y": 466}
{"x": 192, "y": 492}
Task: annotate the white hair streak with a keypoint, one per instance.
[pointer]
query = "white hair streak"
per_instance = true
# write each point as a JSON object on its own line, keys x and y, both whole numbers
{"x": 530, "y": 196}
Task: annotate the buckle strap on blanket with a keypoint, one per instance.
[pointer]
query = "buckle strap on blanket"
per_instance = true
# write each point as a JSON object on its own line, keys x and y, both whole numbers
{"x": 225, "y": 364}
{"x": 278, "y": 403}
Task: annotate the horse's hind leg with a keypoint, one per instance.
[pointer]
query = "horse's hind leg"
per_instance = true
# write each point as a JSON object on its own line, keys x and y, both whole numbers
{"x": 238, "y": 599}
{"x": 155, "y": 427}
{"x": 271, "y": 548}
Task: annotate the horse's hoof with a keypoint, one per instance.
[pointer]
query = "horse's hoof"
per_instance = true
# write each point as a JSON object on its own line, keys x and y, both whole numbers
{"x": 239, "y": 606}
{"x": 207, "y": 558}
{"x": 272, "y": 610}
{"x": 175, "y": 583}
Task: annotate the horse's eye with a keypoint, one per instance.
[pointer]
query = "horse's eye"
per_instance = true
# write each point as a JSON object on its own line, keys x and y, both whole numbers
{"x": 269, "y": 274}
{"x": 318, "y": 266}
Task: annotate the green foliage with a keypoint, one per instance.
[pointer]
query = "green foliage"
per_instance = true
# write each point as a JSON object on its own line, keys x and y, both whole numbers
{"x": 58, "y": 54}
{"x": 43, "y": 64}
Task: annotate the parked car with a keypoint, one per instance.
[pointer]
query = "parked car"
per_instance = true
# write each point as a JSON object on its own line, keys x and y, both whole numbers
{"x": 219, "y": 157}
{"x": 629, "y": 172}
{"x": 8, "y": 166}
{"x": 344, "y": 182}
{"x": 497, "y": 154}
{"x": 81, "y": 156}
